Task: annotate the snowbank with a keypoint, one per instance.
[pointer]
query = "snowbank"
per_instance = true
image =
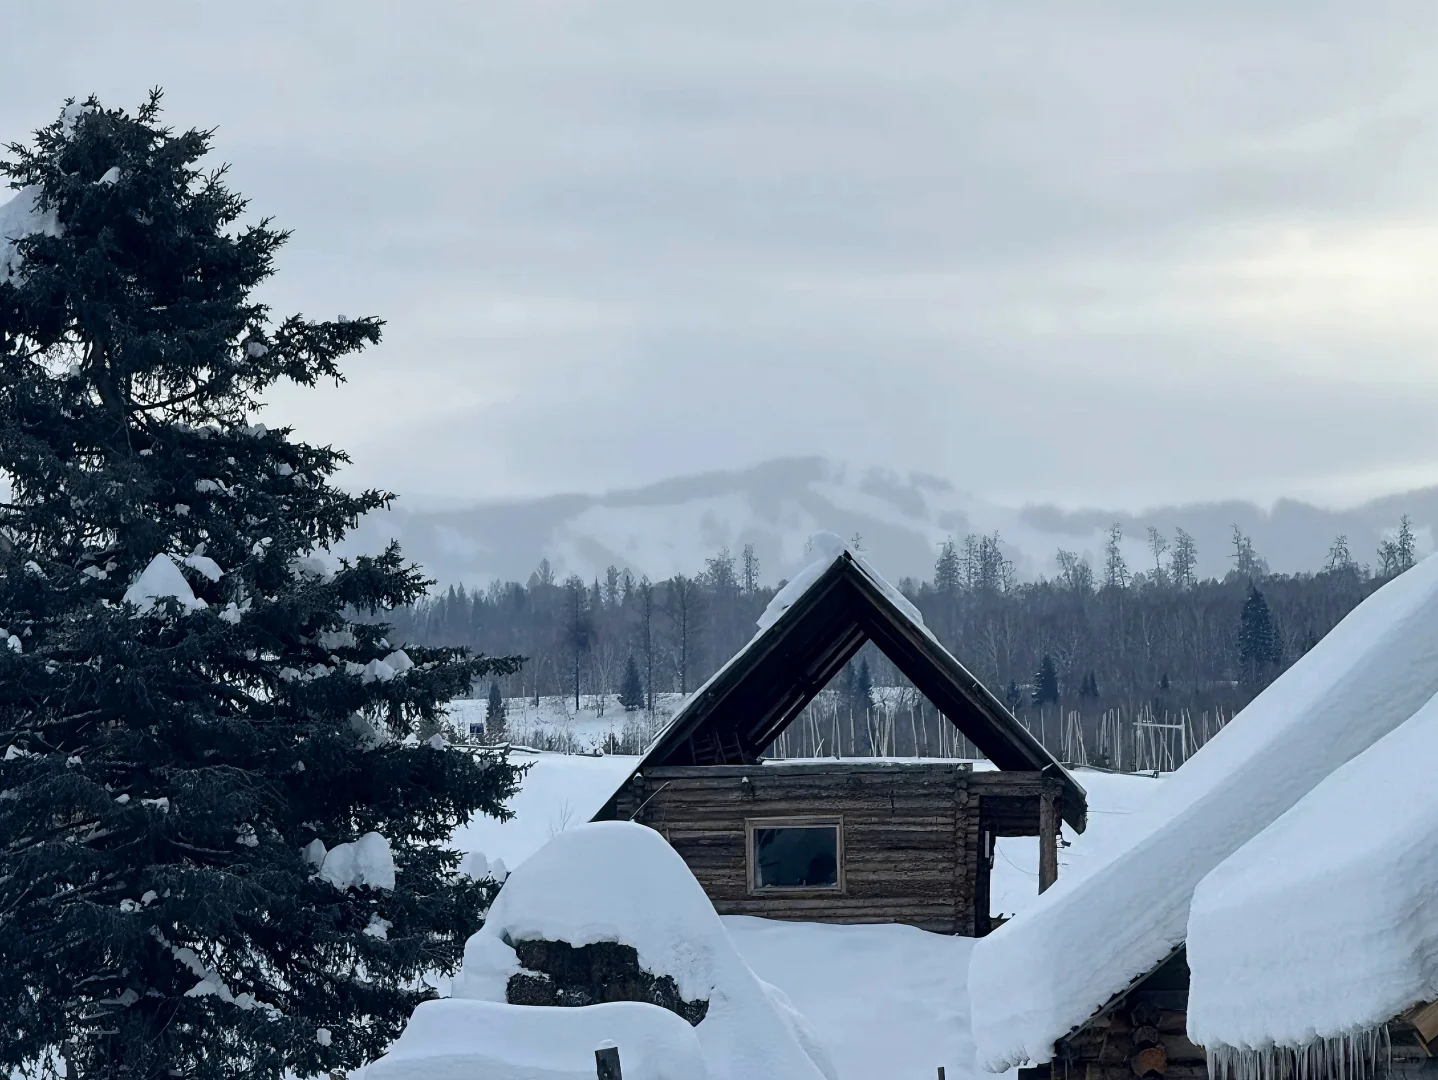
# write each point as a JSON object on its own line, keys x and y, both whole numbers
{"x": 464, "y": 1040}
{"x": 614, "y": 881}
{"x": 886, "y": 1000}
{"x": 1326, "y": 923}
{"x": 1048, "y": 970}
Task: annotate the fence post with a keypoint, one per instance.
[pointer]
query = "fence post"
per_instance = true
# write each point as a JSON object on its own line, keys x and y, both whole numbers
{"x": 606, "y": 1062}
{"x": 941, "y": 1072}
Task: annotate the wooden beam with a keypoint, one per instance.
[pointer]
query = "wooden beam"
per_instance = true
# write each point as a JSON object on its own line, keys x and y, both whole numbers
{"x": 1048, "y": 841}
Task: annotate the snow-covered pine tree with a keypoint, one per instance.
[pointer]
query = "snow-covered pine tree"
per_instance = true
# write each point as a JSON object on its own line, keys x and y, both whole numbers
{"x": 189, "y": 697}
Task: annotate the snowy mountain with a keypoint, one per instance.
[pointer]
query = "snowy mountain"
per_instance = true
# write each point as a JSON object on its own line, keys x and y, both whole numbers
{"x": 672, "y": 526}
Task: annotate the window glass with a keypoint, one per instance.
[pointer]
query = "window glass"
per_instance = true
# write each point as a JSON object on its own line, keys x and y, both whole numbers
{"x": 797, "y": 857}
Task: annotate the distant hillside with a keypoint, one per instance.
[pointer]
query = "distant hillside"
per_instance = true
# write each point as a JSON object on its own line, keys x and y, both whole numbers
{"x": 670, "y": 527}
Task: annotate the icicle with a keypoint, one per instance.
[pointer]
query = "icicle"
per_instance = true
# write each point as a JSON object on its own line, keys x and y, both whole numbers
{"x": 1355, "y": 1056}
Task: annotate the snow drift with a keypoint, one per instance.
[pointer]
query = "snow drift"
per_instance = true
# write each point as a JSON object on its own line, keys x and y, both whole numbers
{"x": 1325, "y": 924}
{"x": 465, "y": 1040}
{"x": 1048, "y": 970}
{"x": 619, "y": 882}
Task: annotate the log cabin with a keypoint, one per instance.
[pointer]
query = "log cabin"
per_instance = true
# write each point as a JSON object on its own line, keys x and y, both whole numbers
{"x": 848, "y": 841}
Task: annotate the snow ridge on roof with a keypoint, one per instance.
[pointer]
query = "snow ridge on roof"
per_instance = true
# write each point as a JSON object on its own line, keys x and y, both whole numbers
{"x": 828, "y": 549}
{"x": 1325, "y": 924}
{"x": 1047, "y": 971}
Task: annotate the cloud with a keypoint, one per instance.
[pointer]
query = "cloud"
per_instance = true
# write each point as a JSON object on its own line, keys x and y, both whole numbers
{"x": 1120, "y": 253}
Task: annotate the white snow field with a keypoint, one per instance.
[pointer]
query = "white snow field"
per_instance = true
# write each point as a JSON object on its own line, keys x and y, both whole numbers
{"x": 885, "y": 1000}
{"x": 1042, "y": 974}
{"x": 1325, "y": 924}
{"x": 555, "y": 724}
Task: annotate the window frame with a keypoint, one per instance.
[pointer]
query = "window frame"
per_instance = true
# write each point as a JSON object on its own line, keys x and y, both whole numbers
{"x": 803, "y": 821}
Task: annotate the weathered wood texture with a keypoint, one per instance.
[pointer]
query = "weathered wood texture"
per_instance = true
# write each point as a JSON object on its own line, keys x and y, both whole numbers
{"x": 913, "y": 834}
{"x": 1048, "y": 842}
{"x": 1141, "y": 1032}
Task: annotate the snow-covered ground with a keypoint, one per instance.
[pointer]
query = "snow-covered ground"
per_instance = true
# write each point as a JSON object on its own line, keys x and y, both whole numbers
{"x": 1112, "y": 799}
{"x": 599, "y": 723}
{"x": 887, "y": 1000}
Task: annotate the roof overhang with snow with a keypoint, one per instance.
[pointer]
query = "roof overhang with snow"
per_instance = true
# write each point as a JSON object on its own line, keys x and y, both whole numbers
{"x": 739, "y": 712}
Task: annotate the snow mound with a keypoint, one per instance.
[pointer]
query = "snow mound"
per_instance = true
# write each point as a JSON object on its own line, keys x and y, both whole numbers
{"x": 162, "y": 580}
{"x": 1050, "y": 968}
{"x": 614, "y": 881}
{"x": 21, "y": 217}
{"x": 367, "y": 861}
{"x": 463, "y": 1040}
{"x": 1326, "y": 923}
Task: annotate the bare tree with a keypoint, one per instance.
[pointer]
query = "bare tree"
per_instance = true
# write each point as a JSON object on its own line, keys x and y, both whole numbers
{"x": 1183, "y": 563}
{"x": 1115, "y": 569}
{"x": 646, "y": 634}
{"x": 579, "y": 631}
{"x": 683, "y": 603}
{"x": 1158, "y": 545}
{"x": 1074, "y": 571}
{"x": 749, "y": 570}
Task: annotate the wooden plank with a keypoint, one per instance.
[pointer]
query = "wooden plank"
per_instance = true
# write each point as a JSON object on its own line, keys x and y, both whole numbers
{"x": 1424, "y": 1019}
{"x": 1048, "y": 842}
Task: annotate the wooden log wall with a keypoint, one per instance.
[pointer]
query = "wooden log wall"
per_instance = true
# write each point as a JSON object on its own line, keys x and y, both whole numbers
{"x": 1143, "y": 1035}
{"x": 913, "y": 834}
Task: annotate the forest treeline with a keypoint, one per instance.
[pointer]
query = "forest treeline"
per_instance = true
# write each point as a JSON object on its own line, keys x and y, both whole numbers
{"x": 1090, "y": 638}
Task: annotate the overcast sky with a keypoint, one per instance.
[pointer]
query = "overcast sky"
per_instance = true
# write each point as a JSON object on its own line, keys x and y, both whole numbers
{"x": 1095, "y": 254}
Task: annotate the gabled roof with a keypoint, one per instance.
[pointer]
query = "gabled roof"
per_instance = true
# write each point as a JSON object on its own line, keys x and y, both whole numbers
{"x": 1325, "y": 924}
{"x": 1046, "y": 972}
{"x": 816, "y": 625}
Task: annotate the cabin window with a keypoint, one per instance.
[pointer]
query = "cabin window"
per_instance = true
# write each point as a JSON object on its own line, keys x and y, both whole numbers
{"x": 796, "y": 853}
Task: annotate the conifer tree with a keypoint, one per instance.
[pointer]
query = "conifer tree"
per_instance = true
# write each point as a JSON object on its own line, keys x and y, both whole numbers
{"x": 192, "y": 705}
{"x": 631, "y": 690}
{"x": 1046, "y": 682}
{"x": 495, "y": 710}
{"x": 864, "y": 701}
{"x": 1259, "y": 646}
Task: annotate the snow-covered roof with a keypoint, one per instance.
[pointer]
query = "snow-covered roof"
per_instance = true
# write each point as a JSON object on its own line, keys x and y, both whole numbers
{"x": 1047, "y": 971}
{"x": 1325, "y": 924}
{"x": 811, "y": 629}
